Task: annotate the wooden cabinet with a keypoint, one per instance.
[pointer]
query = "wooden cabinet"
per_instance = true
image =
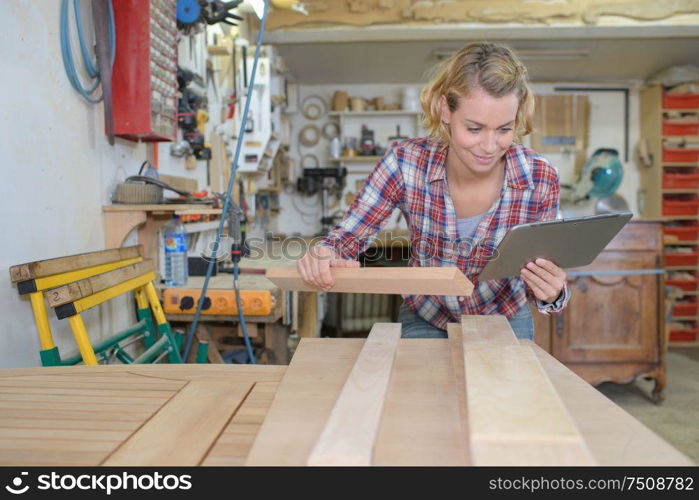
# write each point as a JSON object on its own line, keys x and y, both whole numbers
{"x": 613, "y": 327}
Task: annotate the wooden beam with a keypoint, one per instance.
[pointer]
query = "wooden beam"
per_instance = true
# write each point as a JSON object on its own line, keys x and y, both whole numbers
{"x": 185, "y": 429}
{"x": 487, "y": 329}
{"x": 456, "y": 350}
{"x": 43, "y": 268}
{"x": 420, "y": 425}
{"x": 304, "y": 400}
{"x": 349, "y": 434}
{"x": 515, "y": 414}
{"x": 391, "y": 280}
{"x": 614, "y": 437}
{"x": 89, "y": 286}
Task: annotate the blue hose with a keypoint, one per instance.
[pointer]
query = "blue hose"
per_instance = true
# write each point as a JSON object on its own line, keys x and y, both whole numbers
{"x": 67, "y": 53}
{"x": 234, "y": 167}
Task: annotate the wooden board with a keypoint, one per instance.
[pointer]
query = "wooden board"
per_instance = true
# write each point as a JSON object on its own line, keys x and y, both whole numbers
{"x": 613, "y": 436}
{"x": 486, "y": 329}
{"x": 515, "y": 414}
{"x": 89, "y": 286}
{"x": 182, "y": 433}
{"x": 349, "y": 434}
{"x": 304, "y": 400}
{"x": 182, "y": 183}
{"x": 391, "y": 280}
{"x": 456, "y": 351}
{"x": 420, "y": 424}
{"x": 43, "y": 268}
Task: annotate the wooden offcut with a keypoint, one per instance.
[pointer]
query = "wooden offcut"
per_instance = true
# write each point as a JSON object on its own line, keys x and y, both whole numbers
{"x": 349, "y": 434}
{"x": 88, "y": 286}
{"x": 515, "y": 415}
{"x": 390, "y": 280}
{"x": 182, "y": 433}
{"x": 487, "y": 329}
{"x": 49, "y": 267}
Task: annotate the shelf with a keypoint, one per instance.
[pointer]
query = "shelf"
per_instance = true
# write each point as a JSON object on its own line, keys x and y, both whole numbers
{"x": 179, "y": 209}
{"x": 680, "y": 243}
{"x": 356, "y": 159}
{"x": 680, "y": 164}
{"x": 681, "y": 191}
{"x": 685, "y": 137}
{"x": 682, "y": 268}
{"x": 374, "y": 113}
{"x": 679, "y": 217}
{"x": 681, "y": 110}
{"x": 685, "y": 318}
{"x": 683, "y": 344}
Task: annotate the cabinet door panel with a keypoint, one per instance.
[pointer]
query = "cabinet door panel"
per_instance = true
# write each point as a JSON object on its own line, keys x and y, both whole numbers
{"x": 611, "y": 318}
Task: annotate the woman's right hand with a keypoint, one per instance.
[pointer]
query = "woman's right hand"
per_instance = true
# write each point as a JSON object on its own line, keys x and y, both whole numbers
{"x": 314, "y": 267}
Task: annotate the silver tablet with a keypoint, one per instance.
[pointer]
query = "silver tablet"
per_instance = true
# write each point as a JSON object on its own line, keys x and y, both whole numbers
{"x": 573, "y": 242}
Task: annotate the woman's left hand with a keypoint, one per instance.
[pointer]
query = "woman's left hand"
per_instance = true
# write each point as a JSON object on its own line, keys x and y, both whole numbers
{"x": 545, "y": 278}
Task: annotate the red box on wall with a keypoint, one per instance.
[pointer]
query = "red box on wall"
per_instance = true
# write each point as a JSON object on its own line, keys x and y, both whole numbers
{"x": 144, "y": 78}
{"x": 680, "y": 128}
{"x": 681, "y": 259}
{"x": 680, "y": 155}
{"x": 683, "y": 335}
{"x": 683, "y": 233}
{"x": 680, "y": 101}
{"x": 680, "y": 181}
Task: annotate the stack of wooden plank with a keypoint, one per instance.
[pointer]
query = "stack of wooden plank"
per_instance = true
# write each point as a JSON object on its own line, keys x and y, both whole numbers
{"x": 481, "y": 398}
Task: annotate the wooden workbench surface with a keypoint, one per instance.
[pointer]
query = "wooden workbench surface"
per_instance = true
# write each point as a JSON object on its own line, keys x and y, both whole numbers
{"x": 212, "y": 414}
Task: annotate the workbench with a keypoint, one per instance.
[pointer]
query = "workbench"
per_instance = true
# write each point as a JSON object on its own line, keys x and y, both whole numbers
{"x": 211, "y": 414}
{"x": 293, "y": 313}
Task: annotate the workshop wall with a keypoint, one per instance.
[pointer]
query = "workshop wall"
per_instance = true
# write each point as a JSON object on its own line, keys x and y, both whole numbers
{"x": 59, "y": 170}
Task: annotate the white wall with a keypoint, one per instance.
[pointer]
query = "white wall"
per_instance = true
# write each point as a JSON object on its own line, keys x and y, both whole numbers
{"x": 58, "y": 171}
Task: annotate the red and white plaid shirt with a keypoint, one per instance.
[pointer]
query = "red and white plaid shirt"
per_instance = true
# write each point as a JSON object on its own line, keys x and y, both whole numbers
{"x": 412, "y": 177}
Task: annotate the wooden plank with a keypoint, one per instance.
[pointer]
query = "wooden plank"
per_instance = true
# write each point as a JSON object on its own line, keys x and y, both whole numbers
{"x": 184, "y": 430}
{"x": 24, "y": 457}
{"x": 487, "y": 329}
{"x": 614, "y": 437}
{"x": 237, "y": 438}
{"x": 43, "y": 268}
{"x": 182, "y": 183}
{"x": 88, "y": 286}
{"x": 303, "y": 401}
{"x": 50, "y": 432}
{"x": 77, "y": 414}
{"x": 391, "y": 280}
{"x": 349, "y": 434}
{"x": 421, "y": 421}
{"x": 58, "y": 424}
{"x": 456, "y": 349}
{"x": 515, "y": 414}
{"x": 106, "y": 392}
{"x": 93, "y": 397}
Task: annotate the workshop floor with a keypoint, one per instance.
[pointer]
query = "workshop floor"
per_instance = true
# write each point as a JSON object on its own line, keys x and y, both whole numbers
{"x": 677, "y": 419}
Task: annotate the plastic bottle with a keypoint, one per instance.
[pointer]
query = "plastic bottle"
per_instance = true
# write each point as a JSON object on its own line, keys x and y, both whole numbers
{"x": 175, "y": 253}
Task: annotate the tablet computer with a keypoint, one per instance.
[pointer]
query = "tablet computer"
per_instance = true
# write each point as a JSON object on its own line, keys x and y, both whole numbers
{"x": 572, "y": 242}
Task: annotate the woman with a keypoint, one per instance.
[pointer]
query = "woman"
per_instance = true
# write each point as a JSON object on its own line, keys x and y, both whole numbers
{"x": 460, "y": 191}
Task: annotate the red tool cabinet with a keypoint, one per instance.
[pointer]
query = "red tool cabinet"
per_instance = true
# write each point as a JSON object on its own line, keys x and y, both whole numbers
{"x": 144, "y": 80}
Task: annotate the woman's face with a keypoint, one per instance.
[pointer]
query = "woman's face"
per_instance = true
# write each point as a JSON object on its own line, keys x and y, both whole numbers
{"x": 482, "y": 129}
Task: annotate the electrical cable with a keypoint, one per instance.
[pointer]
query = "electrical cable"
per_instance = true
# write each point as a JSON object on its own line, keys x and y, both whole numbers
{"x": 231, "y": 182}
{"x": 67, "y": 54}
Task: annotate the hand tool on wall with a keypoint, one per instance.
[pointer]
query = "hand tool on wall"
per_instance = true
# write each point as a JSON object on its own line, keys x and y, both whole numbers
{"x": 101, "y": 19}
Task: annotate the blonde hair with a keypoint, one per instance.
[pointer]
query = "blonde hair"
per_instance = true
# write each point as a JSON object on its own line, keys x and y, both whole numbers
{"x": 491, "y": 67}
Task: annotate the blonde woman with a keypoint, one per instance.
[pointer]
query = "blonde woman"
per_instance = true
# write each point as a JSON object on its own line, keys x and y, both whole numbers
{"x": 460, "y": 190}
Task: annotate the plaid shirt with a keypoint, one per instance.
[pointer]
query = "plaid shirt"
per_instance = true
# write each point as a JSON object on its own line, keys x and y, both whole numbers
{"x": 412, "y": 177}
